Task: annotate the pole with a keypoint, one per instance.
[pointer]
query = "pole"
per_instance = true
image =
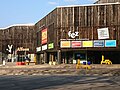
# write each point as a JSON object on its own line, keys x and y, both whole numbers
{"x": 59, "y": 56}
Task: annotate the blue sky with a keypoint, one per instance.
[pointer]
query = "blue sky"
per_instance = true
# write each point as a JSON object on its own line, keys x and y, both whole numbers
{"x": 30, "y": 11}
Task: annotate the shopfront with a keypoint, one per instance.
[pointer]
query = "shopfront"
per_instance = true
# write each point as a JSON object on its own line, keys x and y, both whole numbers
{"x": 71, "y": 57}
{"x": 80, "y": 32}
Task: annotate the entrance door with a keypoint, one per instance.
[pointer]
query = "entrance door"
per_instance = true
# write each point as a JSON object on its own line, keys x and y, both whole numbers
{"x": 81, "y": 56}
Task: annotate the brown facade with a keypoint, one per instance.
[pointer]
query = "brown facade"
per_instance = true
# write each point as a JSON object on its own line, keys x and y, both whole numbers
{"x": 47, "y": 34}
{"x": 83, "y": 19}
{"x": 18, "y": 36}
{"x": 107, "y": 1}
{"x": 49, "y": 22}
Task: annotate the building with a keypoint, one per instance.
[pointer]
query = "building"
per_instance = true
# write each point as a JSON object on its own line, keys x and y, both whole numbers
{"x": 68, "y": 33}
{"x": 17, "y": 40}
{"x": 85, "y": 32}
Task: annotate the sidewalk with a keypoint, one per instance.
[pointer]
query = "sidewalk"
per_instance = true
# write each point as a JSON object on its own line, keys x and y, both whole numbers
{"x": 32, "y": 65}
{"x": 61, "y": 69}
{"x": 70, "y": 66}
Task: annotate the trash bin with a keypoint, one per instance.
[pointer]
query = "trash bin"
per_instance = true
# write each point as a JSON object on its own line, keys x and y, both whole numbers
{"x": 84, "y": 63}
{"x": 88, "y": 62}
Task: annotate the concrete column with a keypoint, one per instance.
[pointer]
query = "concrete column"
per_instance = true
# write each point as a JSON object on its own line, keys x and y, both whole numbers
{"x": 52, "y": 57}
{"x": 59, "y": 56}
{"x": 45, "y": 57}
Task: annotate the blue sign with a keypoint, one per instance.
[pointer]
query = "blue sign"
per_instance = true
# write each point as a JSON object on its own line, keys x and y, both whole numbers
{"x": 98, "y": 43}
{"x": 110, "y": 43}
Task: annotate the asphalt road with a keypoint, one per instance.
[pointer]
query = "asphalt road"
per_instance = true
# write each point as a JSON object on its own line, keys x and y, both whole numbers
{"x": 57, "y": 82}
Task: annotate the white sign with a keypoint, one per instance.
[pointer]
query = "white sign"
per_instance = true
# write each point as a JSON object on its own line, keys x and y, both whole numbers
{"x": 38, "y": 49}
{"x": 44, "y": 47}
{"x": 9, "y": 48}
{"x": 103, "y": 33}
{"x": 73, "y": 35}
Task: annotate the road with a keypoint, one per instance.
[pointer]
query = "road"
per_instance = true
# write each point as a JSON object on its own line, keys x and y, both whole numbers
{"x": 58, "y": 82}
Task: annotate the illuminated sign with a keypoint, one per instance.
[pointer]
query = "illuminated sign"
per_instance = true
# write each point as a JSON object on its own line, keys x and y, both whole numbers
{"x": 38, "y": 49}
{"x": 110, "y": 43}
{"x": 44, "y": 36}
{"x": 76, "y": 43}
{"x": 44, "y": 47}
{"x": 98, "y": 43}
{"x": 87, "y": 43}
{"x": 51, "y": 45}
{"x": 65, "y": 44}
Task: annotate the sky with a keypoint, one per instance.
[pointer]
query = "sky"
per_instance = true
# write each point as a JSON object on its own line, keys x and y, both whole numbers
{"x": 31, "y": 11}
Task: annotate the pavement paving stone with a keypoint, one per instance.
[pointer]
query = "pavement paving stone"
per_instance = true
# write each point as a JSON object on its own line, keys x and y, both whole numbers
{"x": 65, "y": 69}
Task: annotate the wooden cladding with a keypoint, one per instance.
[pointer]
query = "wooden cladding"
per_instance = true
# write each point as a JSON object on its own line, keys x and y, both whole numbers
{"x": 84, "y": 19}
{"x": 49, "y": 22}
{"x": 19, "y": 36}
{"x": 107, "y": 1}
{"x": 87, "y": 16}
{"x": 87, "y": 19}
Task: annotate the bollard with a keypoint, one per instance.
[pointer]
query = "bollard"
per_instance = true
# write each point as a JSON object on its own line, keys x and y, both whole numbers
{"x": 50, "y": 63}
{"x": 54, "y": 63}
{"x": 4, "y": 62}
{"x": 78, "y": 64}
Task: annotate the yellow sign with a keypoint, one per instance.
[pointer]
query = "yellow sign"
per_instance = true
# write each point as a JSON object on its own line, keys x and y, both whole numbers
{"x": 22, "y": 49}
{"x": 65, "y": 44}
{"x": 87, "y": 43}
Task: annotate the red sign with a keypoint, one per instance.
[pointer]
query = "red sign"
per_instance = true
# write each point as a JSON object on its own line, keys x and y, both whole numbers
{"x": 44, "y": 36}
{"x": 76, "y": 43}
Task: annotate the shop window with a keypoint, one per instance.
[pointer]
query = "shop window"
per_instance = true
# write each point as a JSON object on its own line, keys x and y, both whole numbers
{"x": 81, "y": 56}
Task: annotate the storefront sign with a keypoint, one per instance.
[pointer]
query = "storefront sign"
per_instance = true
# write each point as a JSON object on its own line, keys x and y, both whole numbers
{"x": 103, "y": 33}
{"x": 9, "y": 49}
{"x": 110, "y": 43}
{"x": 87, "y": 43}
{"x": 73, "y": 35}
{"x": 98, "y": 43}
{"x": 22, "y": 49}
{"x": 51, "y": 45}
{"x": 44, "y": 36}
{"x": 76, "y": 43}
{"x": 44, "y": 47}
{"x": 38, "y": 49}
{"x": 65, "y": 44}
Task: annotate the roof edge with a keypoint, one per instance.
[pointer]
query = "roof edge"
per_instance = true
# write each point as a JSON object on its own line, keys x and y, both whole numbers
{"x": 88, "y": 5}
{"x": 29, "y": 24}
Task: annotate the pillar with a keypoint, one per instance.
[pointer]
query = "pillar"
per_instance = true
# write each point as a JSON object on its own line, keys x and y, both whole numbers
{"x": 59, "y": 56}
{"x": 45, "y": 57}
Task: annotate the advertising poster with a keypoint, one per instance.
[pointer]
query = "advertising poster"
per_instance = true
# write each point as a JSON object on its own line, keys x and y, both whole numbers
{"x": 38, "y": 49}
{"x": 51, "y": 45}
{"x": 110, "y": 43}
{"x": 44, "y": 47}
{"x": 87, "y": 43}
{"x": 98, "y": 43}
{"x": 76, "y": 44}
{"x": 103, "y": 33}
{"x": 65, "y": 44}
{"x": 44, "y": 36}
